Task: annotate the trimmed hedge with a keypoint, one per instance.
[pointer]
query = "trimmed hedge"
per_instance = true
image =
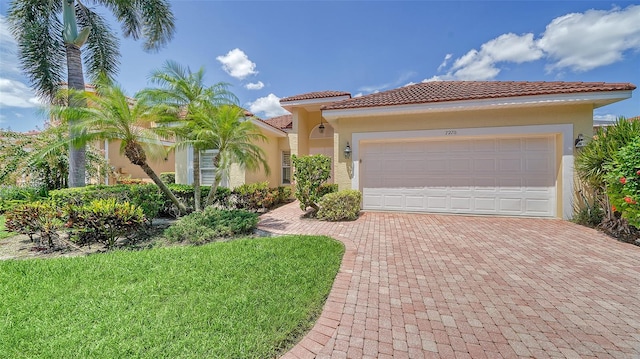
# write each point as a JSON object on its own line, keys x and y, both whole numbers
{"x": 339, "y": 206}
{"x": 145, "y": 196}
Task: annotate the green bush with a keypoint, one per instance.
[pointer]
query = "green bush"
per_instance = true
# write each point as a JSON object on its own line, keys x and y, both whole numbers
{"x": 210, "y": 225}
{"x": 43, "y": 219}
{"x": 185, "y": 194}
{"x": 104, "y": 221}
{"x": 281, "y": 194}
{"x": 328, "y": 188}
{"x": 168, "y": 177}
{"x": 145, "y": 196}
{"x": 339, "y": 206}
{"x": 253, "y": 196}
{"x": 311, "y": 172}
{"x": 11, "y": 196}
{"x": 623, "y": 182}
{"x": 257, "y": 196}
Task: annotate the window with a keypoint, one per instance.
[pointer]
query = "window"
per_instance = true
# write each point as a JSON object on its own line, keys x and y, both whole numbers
{"x": 286, "y": 167}
{"x": 207, "y": 169}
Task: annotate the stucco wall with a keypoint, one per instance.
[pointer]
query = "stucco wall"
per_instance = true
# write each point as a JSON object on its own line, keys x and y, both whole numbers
{"x": 125, "y": 168}
{"x": 580, "y": 116}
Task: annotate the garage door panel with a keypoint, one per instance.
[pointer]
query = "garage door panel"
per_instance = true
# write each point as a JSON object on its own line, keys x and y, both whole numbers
{"x": 512, "y": 176}
{"x": 485, "y": 204}
{"x": 437, "y": 203}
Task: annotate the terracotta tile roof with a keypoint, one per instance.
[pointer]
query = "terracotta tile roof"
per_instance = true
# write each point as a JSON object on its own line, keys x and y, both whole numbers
{"x": 283, "y": 122}
{"x": 445, "y": 91}
{"x": 315, "y": 95}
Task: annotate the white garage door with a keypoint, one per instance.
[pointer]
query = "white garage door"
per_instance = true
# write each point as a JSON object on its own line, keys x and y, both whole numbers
{"x": 505, "y": 176}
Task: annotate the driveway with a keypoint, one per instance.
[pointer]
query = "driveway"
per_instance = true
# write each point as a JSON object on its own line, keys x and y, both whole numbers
{"x": 444, "y": 286}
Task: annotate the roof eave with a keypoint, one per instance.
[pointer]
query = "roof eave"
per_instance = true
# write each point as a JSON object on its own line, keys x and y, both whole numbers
{"x": 314, "y": 103}
{"x": 268, "y": 128}
{"x": 598, "y": 99}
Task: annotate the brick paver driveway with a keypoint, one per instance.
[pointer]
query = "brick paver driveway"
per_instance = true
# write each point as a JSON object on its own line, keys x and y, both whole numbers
{"x": 416, "y": 285}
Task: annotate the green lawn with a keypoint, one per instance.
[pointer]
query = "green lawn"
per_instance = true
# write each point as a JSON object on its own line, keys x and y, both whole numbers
{"x": 3, "y": 230}
{"x": 246, "y": 298}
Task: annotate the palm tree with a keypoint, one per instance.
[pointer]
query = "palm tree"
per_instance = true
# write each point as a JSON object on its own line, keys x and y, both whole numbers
{"x": 49, "y": 42}
{"x": 183, "y": 93}
{"x": 114, "y": 116}
{"x": 227, "y": 130}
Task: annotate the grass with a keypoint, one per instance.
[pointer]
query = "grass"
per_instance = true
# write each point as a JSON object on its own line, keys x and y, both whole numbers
{"x": 248, "y": 298}
{"x": 3, "y": 230}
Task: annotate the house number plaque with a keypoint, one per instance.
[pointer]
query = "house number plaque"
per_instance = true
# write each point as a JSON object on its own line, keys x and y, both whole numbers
{"x": 450, "y": 132}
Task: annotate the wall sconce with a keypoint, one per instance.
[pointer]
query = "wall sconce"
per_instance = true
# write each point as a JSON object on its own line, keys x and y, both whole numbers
{"x": 580, "y": 141}
{"x": 321, "y": 127}
{"x": 347, "y": 151}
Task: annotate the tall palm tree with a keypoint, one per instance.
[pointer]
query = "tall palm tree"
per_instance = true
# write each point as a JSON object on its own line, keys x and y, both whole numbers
{"x": 114, "y": 116}
{"x": 183, "y": 93}
{"x": 49, "y": 43}
{"x": 227, "y": 129}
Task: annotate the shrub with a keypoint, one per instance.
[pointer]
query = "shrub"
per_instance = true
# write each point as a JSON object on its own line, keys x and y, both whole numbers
{"x": 211, "y": 224}
{"x": 328, "y": 188}
{"x": 253, "y": 197}
{"x": 145, "y": 196}
{"x": 338, "y": 206}
{"x": 281, "y": 194}
{"x": 185, "y": 194}
{"x": 168, "y": 177}
{"x": 593, "y": 162}
{"x": 623, "y": 182}
{"x": 104, "y": 221}
{"x": 43, "y": 219}
{"x": 311, "y": 172}
{"x": 11, "y": 196}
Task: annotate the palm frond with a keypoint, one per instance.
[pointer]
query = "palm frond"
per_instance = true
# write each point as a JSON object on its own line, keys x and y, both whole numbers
{"x": 38, "y": 30}
{"x": 101, "y": 53}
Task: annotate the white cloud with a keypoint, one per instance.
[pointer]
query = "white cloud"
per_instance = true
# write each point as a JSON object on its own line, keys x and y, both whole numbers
{"x": 481, "y": 65}
{"x": 577, "y": 41}
{"x": 269, "y": 106}
{"x": 584, "y": 41}
{"x": 604, "y": 118}
{"x": 254, "y": 86}
{"x": 444, "y": 62}
{"x": 397, "y": 82}
{"x": 8, "y": 50}
{"x": 237, "y": 64}
{"x": 16, "y": 94}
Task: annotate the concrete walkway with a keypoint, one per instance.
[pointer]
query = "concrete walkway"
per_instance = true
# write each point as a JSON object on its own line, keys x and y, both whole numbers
{"x": 439, "y": 286}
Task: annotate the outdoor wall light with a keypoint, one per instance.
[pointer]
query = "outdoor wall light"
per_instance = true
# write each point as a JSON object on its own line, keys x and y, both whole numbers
{"x": 347, "y": 151}
{"x": 580, "y": 141}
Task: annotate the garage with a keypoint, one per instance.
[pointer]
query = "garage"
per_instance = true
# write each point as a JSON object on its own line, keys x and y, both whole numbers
{"x": 511, "y": 175}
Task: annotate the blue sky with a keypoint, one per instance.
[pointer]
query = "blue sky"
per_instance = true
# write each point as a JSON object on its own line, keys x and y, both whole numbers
{"x": 267, "y": 50}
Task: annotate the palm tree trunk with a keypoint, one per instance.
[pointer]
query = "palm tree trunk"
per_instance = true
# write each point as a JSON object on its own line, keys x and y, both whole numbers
{"x": 135, "y": 153}
{"x": 77, "y": 153}
{"x": 216, "y": 181}
{"x": 196, "y": 179}
{"x": 163, "y": 187}
{"x": 214, "y": 187}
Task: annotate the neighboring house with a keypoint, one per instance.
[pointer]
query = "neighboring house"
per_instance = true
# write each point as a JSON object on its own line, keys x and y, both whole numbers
{"x": 472, "y": 147}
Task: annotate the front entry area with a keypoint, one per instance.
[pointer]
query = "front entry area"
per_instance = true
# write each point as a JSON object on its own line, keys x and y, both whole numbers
{"x": 510, "y": 175}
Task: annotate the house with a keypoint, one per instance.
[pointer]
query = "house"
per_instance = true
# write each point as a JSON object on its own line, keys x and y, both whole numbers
{"x": 275, "y": 142}
{"x": 472, "y": 147}
{"x": 123, "y": 169}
